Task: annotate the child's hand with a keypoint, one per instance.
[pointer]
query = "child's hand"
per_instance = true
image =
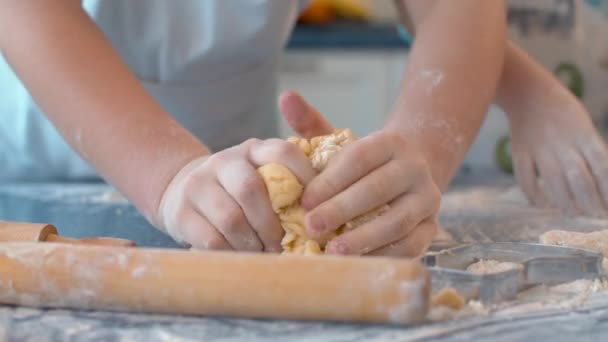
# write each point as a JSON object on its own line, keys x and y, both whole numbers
{"x": 553, "y": 139}
{"x": 378, "y": 169}
{"x": 221, "y": 202}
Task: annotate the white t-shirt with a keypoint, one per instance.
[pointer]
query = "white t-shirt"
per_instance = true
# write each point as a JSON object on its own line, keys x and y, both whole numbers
{"x": 210, "y": 63}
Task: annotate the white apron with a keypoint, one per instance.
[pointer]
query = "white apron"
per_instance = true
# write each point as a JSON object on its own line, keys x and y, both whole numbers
{"x": 210, "y": 63}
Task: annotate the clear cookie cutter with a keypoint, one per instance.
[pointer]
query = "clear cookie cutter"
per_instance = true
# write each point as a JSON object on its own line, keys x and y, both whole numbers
{"x": 540, "y": 264}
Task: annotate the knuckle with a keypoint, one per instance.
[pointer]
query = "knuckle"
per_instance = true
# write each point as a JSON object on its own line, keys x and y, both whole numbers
{"x": 250, "y": 188}
{"x": 380, "y": 186}
{"x": 361, "y": 157}
{"x": 333, "y": 213}
{"x": 397, "y": 170}
{"x": 420, "y": 168}
{"x": 251, "y": 243}
{"x": 232, "y": 220}
{"x": 252, "y": 141}
{"x": 285, "y": 150}
{"x": 400, "y": 226}
{"x": 218, "y": 158}
{"x": 192, "y": 181}
{"x": 328, "y": 185}
{"x": 394, "y": 138}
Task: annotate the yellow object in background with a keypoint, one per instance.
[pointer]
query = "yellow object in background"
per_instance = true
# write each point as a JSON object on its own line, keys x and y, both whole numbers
{"x": 325, "y": 11}
{"x": 350, "y": 9}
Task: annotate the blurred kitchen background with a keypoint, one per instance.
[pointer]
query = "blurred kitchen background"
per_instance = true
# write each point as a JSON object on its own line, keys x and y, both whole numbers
{"x": 347, "y": 56}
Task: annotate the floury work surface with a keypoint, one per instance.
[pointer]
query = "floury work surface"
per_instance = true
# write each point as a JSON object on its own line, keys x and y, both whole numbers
{"x": 472, "y": 214}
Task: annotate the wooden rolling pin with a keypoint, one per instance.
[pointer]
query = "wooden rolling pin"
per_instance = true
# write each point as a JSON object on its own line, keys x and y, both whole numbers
{"x": 40, "y": 232}
{"x": 173, "y": 281}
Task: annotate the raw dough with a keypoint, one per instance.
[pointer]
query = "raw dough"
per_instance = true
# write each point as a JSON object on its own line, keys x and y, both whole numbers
{"x": 450, "y": 298}
{"x": 489, "y": 266}
{"x": 285, "y": 190}
{"x": 594, "y": 241}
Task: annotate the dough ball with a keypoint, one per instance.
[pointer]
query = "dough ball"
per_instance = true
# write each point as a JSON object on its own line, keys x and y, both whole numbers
{"x": 285, "y": 190}
{"x": 327, "y": 146}
{"x": 283, "y": 187}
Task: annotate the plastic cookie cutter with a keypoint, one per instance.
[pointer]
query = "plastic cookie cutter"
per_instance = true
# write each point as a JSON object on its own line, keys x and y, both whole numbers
{"x": 537, "y": 264}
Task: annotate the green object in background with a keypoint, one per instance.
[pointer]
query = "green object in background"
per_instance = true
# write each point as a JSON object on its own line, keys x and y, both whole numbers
{"x": 503, "y": 154}
{"x": 574, "y": 76}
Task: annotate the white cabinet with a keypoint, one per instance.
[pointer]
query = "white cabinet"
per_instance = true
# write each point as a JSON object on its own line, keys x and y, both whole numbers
{"x": 352, "y": 90}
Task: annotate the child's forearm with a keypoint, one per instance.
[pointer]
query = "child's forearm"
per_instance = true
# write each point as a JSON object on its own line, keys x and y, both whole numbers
{"x": 450, "y": 79}
{"x": 92, "y": 98}
{"x": 525, "y": 85}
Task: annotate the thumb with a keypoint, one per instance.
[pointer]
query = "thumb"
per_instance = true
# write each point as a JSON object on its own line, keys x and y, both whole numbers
{"x": 302, "y": 117}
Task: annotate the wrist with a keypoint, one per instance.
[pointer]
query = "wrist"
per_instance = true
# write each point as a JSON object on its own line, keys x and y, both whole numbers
{"x": 158, "y": 219}
{"x": 441, "y": 161}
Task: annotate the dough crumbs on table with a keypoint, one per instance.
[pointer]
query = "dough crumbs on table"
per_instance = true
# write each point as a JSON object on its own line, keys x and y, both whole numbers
{"x": 594, "y": 241}
{"x": 450, "y": 298}
{"x": 566, "y": 296}
{"x": 285, "y": 190}
{"x": 489, "y": 266}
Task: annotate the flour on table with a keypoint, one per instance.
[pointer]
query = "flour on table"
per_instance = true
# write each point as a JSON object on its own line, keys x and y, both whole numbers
{"x": 594, "y": 241}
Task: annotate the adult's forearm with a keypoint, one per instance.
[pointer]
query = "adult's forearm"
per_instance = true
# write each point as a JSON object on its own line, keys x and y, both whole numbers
{"x": 450, "y": 79}
{"x": 92, "y": 98}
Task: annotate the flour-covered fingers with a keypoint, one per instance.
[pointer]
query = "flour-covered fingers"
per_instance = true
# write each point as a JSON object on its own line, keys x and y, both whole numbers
{"x": 596, "y": 155}
{"x": 284, "y": 153}
{"x": 356, "y": 160}
{"x": 555, "y": 186}
{"x": 405, "y": 213}
{"x": 414, "y": 244}
{"x": 195, "y": 231}
{"x": 525, "y": 172}
{"x": 582, "y": 184}
{"x": 247, "y": 188}
{"x": 224, "y": 213}
{"x": 373, "y": 190}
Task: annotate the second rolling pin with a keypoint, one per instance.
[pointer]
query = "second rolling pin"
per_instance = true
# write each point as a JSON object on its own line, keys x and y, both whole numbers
{"x": 41, "y": 232}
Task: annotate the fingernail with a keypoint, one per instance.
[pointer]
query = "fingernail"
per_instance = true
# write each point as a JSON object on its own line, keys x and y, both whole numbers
{"x": 316, "y": 224}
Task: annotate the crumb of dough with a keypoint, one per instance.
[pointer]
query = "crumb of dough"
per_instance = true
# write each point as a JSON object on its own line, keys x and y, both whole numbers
{"x": 443, "y": 313}
{"x": 594, "y": 241}
{"x": 284, "y": 191}
{"x": 489, "y": 266}
{"x": 450, "y": 298}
